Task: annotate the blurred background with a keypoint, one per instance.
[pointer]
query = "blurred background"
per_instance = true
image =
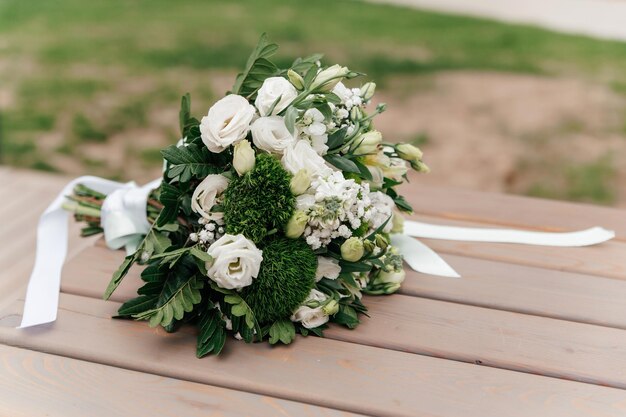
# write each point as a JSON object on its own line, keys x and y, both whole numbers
{"x": 94, "y": 87}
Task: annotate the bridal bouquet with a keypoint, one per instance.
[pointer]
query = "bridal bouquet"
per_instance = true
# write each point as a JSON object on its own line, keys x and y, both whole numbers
{"x": 274, "y": 212}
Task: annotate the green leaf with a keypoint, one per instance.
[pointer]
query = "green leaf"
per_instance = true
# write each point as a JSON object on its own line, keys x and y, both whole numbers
{"x": 257, "y": 69}
{"x": 186, "y": 162}
{"x": 283, "y": 331}
{"x": 346, "y": 316}
{"x": 138, "y": 305}
{"x": 291, "y": 114}
{"x": 171, "y": 198}
{"x": 365, "y": 173}
{"x": 342, "y": 163}
{"x": 354, "y": 266}
{"x": 179, "y": 295}
{"x": 121, "y": 272}
{"x": 403, "y": 204}
{"x": 212, "y": 332}
{"x": 239, "y": 308}
{"x": 336, "y": 139}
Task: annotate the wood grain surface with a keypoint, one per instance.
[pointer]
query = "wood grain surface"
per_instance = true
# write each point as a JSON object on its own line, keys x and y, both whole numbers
{"x": 345, "y": 376}
{"x": 38, "y": 384}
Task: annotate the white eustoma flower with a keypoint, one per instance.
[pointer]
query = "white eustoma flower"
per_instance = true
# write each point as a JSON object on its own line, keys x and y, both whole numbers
{"x": 270, "y": 91}
{"x": 327, "y": 268}
{"x": 271, "y": 134}
{"x": 311, "y": 317}
{"x": 236, "y": 261}
{"x": 227, "y": 122}
{"x": 205, "y": 195}
{"x": 302, "y": 156}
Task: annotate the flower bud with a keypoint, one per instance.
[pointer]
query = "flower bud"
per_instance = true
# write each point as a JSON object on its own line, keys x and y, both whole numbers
{"x": 300, "y": 182}
{"x": 420, "y": 166}
{"x": 369, "y": 246}
{"x": 296, "y": 79}
{"x": 388, "y": 282}
{"x": 398, "y": 223}
{"x": 381, "y": 241}
{"x": 327, "y": 79}
{"x": 367, "y": 90}
{"x": 352, "y": 249}
{"x": 356, "y": 113}
{"x": 368, "y": 143}
{"x": 331, "y": 308}
{"x": 243, "y": 159}
{"x": 409, "y": 152}
{"x": 296, "y": 225}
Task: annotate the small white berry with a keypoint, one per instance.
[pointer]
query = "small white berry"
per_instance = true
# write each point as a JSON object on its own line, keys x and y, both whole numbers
{"x": 193, "y": 237}
{"x": 201, "y": 220}
{"x": 210, "y": 227}
{"x": 220, "y": 230}
{"x": 204, "y": 235}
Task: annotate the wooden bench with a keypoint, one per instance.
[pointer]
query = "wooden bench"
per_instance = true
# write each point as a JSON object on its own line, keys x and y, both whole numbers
{"x": 527, "y": 331}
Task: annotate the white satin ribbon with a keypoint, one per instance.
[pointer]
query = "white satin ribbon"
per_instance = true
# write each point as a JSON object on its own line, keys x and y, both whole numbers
{"x": 423, "y": 259}
{"x": 42, "y": 295}
{"x": 124, "y": 222}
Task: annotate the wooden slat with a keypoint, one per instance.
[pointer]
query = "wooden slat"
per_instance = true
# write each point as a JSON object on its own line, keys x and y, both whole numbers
{"x": 542, "y": 292}
{"x": 38, "y": 384}
{"x": 510, "y": 210}
{"x": 319, "y": 371}
{"x": 494, "y": 338}
{"x": 607, "y": 259}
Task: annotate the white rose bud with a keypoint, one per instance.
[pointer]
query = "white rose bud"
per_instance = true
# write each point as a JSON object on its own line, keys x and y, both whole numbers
{"x": 311, "y": 317}
{"x": 227, "y": 122}
{"x": 270, "y": 91}
{"x": 205, "y": 195}
{"x": 296, "y": 79}
{"x": 368, "y": 143}
{"x": 296, "y": 225}
{"x": 327, "y": 79}
{"x": 236, "y": 261}
{"x": 368, "y": 90}
{"x": 300, "y": 182}
{"x": 243, "y": 158}
{"x": 409, "y": 152}
{"x": 352, "y": 249}
{"x": 327, "y": 268}
{"x": 271, "y": 134}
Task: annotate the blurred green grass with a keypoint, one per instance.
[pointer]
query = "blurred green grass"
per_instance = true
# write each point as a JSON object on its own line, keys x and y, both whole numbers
{"x": 83, "y": 72}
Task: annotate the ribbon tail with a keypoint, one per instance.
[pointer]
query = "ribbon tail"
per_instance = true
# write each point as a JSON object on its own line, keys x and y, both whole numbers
{"x": 42, "y": 295}
{"x": 421, "y": 258}
{"x": 588, "y": 237}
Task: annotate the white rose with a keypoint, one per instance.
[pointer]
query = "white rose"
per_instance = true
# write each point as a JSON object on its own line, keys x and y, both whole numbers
{"x": 205, "y": 195}
{"x": 227, "y": 122}
{"x": 327, "y": 268}
{"x": 303, "y": 156}
{"x": 311, "y": 317}
{"x": 270, "y": 91}
{"x": 271, "y": 134}
{"x": 236, "y": 261}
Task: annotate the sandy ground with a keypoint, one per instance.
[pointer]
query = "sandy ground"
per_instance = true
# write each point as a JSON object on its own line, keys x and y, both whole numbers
{"x": 506, "y": 132}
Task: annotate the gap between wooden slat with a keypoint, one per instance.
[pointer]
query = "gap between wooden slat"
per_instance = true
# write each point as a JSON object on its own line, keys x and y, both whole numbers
{"x": 317, "y": 371}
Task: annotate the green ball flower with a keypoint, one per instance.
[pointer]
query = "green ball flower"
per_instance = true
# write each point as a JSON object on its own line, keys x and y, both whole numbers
{"x": 260, "y": 200}
{"x": 285, "y": 280}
